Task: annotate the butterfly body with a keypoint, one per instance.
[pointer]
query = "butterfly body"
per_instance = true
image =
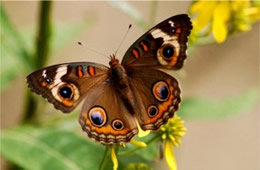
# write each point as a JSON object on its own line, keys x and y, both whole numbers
{"x": 119, "y": 97}
{"x": 122, "y": 85}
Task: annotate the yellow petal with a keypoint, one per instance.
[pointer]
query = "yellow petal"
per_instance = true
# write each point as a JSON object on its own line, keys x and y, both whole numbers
{"x": 244, "y": 27}
{"x": 237, "y": 5}
{"x": 114, "y": 158}
{"x": 164, "y": 136}
{"x": 122, "y": 144}
{"x": 169, "y": 155}
{"x": 221, "y": 16}
{"x": 163, "y": 129}
{"x": 141, "y": 132}
{"x": 205, "y": 15}
{"x": 219, "y": 31}
{"x": 254, "y": 13}
{"x": 138, "y": 143}
{"x": 197, "y": 6}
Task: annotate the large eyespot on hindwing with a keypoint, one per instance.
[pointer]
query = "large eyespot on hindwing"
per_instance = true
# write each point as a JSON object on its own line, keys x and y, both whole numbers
{"x": 161, "y": 91}
{"x": 97, "y": 116}
{"x": 117, "y": 124}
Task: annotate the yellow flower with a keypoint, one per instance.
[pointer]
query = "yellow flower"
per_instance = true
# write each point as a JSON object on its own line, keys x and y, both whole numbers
{"x": 138, "y": 166}
{"x": 220, "y": 18}
{"x": 171, "y": 134}
{"x": 244, "y": 14}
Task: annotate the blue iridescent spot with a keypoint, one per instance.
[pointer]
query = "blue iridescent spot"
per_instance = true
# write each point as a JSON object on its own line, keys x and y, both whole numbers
{"x": 152, "y": 110}
{"x": 173, "y": 30}
{"x": 65, "y": 92}
{"x": 117, "y": 124}
{"x": 168, "y": 52}
{"x": 161, "y": 91}
{"x": 97, "y": 118}
{"x": 47, "y": 80}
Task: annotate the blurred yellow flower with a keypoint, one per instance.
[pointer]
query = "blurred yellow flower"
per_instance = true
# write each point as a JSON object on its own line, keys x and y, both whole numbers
{"x": 220, "y": 18}
{"x": 138, "y": 166}
{"x": 171, "y": 134}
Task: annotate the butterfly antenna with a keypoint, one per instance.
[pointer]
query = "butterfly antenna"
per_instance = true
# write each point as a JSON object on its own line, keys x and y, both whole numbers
{"x": 80, "y": 43}
{"x": 130, "y": 25}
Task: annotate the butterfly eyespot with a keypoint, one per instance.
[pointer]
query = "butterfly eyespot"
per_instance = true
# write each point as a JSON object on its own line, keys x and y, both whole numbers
{"x": 152, "y": 110}
{"x": 47, "y": 80}
{"x": 97, "y": 116}
{"x": 167, "y": 52}
{"x": 65, "y": 92}
{"x": 117, "y": 124}
{"x": 161, "y": 91}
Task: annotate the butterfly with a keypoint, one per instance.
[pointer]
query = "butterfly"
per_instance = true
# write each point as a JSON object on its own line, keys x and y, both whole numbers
{"x": 119, "y": 98}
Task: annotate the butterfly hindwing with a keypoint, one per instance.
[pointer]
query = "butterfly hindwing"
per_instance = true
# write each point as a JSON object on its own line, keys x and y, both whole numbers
{"x": 105, "y": 118}
{"x": 158, "y": 96}
{"x": 65, "y": 85}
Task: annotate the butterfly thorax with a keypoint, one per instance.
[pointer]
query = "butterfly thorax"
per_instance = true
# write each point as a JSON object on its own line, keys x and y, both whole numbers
{"x": 120, "y": 81}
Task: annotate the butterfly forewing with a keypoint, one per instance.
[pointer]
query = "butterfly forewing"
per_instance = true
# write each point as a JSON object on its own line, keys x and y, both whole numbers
{"x": 65, "y": 85}
{"x": 163, "y": 46}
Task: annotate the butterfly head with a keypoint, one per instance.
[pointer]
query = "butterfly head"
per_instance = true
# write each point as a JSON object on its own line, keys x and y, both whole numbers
{"x": 113, "y": 60}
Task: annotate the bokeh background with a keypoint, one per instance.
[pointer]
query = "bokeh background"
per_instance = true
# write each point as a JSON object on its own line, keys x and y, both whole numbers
{"x": 214, "y": 72}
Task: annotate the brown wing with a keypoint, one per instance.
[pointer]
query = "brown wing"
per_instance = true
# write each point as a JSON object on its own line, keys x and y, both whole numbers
{"x": 158, "y": 96}
{"x": 163, "y": 46}
{"x": 65, "y": 85}
{"x": 105, "y": 118}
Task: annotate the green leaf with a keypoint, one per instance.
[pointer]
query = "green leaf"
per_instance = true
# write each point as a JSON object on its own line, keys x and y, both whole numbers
{"x": 39, "y": 149}
{"x": 151, "y": 151}
{"x": 194, "y": 108}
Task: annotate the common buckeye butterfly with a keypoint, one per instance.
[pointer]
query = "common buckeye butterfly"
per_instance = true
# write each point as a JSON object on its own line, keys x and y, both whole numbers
{"x": 122, "y": 95}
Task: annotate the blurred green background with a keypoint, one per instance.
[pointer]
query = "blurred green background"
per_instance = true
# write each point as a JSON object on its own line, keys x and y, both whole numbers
{"x": 219, "y": 82}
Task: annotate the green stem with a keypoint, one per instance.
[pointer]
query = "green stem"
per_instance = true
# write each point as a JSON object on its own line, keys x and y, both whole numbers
{"x": 131, "y": 151}
{"x": 41, "y": 56}
{"x": 102, "y": 163}
{"x": 44, "y": 34}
